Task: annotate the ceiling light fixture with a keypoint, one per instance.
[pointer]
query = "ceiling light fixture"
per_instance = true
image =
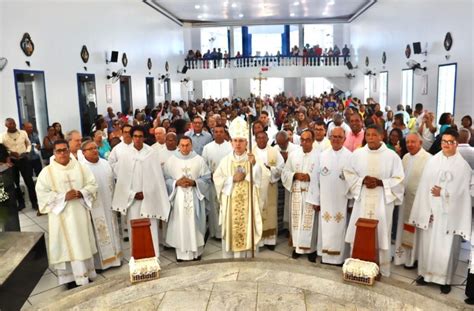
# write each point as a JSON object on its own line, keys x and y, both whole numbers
{"x": 199, "y": 16}
{"x": 292, "y": 14}
{"x": 331, "y": 2}
{"x": 225, "y": 3}
{"x": 197, "y": 6}
{"x": 234, "y": 5}
{"x": 241, "y": 15}
{"x": 296, "y": 3}
{"x": 325, "y": 13}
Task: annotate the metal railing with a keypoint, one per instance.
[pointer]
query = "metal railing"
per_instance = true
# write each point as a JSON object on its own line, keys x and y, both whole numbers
{"x": 267, "y": 61}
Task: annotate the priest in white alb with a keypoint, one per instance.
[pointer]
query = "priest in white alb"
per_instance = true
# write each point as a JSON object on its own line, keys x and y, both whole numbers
{"x": 375, "y": 178}
{"x": 334, "y": 200}
{"x": 66, "y": 190}
{"x": 104, "y": 220}
{"x": 233, "y": 188}
{"x": 140, "y": 191}
{"x": 413, "y": 164}
{"x": 300, "y": 177}
{"x": 442, "y": 212}
{"x": 188, "y": 182}
{"x": 213, "y": 153}
{"x": 271, "y": 163}
{"x": 122, "y": 147}
{"x": 321, "y": 142}
{"x": 160, "y": 138}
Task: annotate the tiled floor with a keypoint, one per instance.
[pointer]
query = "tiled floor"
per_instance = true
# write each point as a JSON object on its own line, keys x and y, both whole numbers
{"x": 48, "y": 285}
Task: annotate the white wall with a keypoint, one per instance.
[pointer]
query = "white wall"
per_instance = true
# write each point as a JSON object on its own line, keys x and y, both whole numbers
{"x": 390, "y": 25}
{"x": 59, "y": 30}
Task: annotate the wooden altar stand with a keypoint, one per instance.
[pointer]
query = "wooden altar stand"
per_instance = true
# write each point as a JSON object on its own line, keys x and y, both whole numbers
{"x": 365, "y": 243}
{"x": 142, "y": 242}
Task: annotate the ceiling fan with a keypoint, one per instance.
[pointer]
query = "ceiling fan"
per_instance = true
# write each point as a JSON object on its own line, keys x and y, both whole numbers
{"x": 115, "y": 75}
{"x": 416, "y": 66}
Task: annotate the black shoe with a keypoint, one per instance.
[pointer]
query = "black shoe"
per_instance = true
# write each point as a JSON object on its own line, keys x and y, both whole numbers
{"x": 469, "y": 301}
{"x": 167, "y": 248}
{"x": 179, "y": 260}
{"x": 217, "y": 239}
{"x": 312, "y": 257}
{"x": 35, "y": 206}
{"x": 445, "y": 289}
{"x": 125, "y": 239}
{"x": 197, "y": 259}
{"x": 415, "y": 265}
{"x": 295, "y": 255}
{"x": 421, "y": 281}
{"x": 270, "y": 247}
{"x": 21, "y": 206}
{"x": 72, "y": 285}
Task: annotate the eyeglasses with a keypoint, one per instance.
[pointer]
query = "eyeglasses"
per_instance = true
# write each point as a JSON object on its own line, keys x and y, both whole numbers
{"x": 65, "y": 150}
{"x": 90, "y": 149}
{"x": 448, "y": 142}
{"x": 137, "y": 136}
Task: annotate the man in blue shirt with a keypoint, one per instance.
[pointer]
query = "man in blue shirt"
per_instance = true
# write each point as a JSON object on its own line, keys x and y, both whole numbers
{"x": 198, "y": 136}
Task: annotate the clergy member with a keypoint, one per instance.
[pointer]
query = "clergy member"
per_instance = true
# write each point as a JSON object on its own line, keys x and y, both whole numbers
{"x": 136, "y": 194}
{"x": 321, "y": 142}
{"x": 375, "y": 178}
{"x": 334, "y": 200}
{"x": 66, "y": 190}
{"x": 160, "y": 138}
{"x": 271, "y": 163}
{"x": 188, "y": 180}
{"x": 232, "y": 182}
{"x": 442, "y": 212}
{"x": 300, "y": 178}
{"x": 104, "y": 220}
{"x": 122, "y": 147}
{"x": 213, "y": 153}
{"x": 413, "y": 164}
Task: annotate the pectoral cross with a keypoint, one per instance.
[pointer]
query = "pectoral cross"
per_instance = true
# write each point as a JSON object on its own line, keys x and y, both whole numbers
{"x": 371, "y": 214}
{"x": 186, "y": 171}
{"x": 260, "y": 78}
{"x": 70, "y": 181}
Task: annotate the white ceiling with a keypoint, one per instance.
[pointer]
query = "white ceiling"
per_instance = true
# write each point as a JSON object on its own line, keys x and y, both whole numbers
{"x": 249, "y": 12}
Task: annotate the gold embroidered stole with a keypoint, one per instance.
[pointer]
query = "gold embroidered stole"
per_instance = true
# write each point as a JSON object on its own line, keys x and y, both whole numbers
{"x": 302, "y": 217}
{"x": 240, "y": 211}
{"x": 269, "y": 211}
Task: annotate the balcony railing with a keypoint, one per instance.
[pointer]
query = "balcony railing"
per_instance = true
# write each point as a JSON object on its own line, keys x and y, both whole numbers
{"x": 267, "y": 61}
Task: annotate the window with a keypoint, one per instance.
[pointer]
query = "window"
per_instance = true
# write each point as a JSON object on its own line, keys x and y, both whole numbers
{"x": 319, "y": 34}
{"x": 214, "y": 38}
{"x": 446, "y": 89}
{"x": 266, "y": 39}
{"x": 366, "y": 87}
{"x": 317, "y": 86}
{"x": 216, "y": 88}
{"x": 237, "y": 40}
{"x": 383, "y": 94}
{"x": 407, "y": 87}
{"x": 271, "y": 86}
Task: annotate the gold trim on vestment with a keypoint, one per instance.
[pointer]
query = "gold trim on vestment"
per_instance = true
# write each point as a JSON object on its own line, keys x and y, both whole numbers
{"x": 240, "y": 209}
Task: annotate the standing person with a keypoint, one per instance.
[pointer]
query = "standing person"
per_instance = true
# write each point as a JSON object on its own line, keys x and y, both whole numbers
{"x": 213, "y": 153}
{"x": 199, "y": 137}
{"x": 66, "y": 190}
{"x": 442, "y": 211}
{"x": 232, "y": 182}
{"x": 58, "y": 130}
{"x": 427, "y": 130}
{"x": 334, "y": 200}
{"x": 300, "y": 178}
{"x": 74, "y": 140}
{"x": 466, "y": 123}
{"x": 19, "y": 146}
{"x": 109, "y": 118}
{"x": 375, "y": 178}
{"x": 122, "y": 147}
{"x": 104, "y": 220}
{"x": 135, "y": 195}
{"x": 413, "y": 164}
{"x": 321, "y": 142}
{"x": 160, "y": 138}
{"x": 355, "y": 137}
{"x": 271, "y": 163}
{"x": 102, "y": 144}
{"x": 48, "y": 141}
{"x": 8, "y": 203}
{"x": 34, "y": 154}
{"x": 188, "y": 180}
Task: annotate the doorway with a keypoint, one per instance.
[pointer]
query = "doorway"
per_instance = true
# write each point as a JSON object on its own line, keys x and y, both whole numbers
{"x": 126, "y": 94}
{"x": 167, "y": 86}
{"x": 87, "y": 102}
{"x": 31, "y": 99}
{"x": 150, "y": 92}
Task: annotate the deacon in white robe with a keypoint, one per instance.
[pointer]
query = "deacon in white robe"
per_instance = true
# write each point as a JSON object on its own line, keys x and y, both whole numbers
{"x": 300, "y": 178}
{"x": 66, "y": 190}
{"x": 188, "y": 181}
{"x": 140, "y": 191}
{"x": 321, "y": 142}
{"x": 286, "y": 147}
{"x": 413, "y": 164}
{"x": 333, "y": 215}
{"x": 160, "y": 138}
{"x": 122, "y": 148}
{"x": 271, "y": 163}
{"x": 375, "y": 179}
{"x": 104, "y": 220}
{"x": 238, "y": 196}
{"x": 442, "y": 210}
{"x": 213, "y": 153}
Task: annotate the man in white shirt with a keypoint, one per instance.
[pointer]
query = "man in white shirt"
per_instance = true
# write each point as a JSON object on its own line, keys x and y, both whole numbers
{"x": 464, "y": 148}
{"x": 122, "y": 147}
{"x": 321, "y": 142}
{"x": 160, "y": 138}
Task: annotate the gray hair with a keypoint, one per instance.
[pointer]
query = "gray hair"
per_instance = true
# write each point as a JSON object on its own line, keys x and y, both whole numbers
{"x": 70, "y": 133}
{"x": 339, "y": 127}
{"x": 85, "y": 143}
{"x": 282, "y": 133}
{"x": 464, "y": 135}
{"x": 417, "y": 135}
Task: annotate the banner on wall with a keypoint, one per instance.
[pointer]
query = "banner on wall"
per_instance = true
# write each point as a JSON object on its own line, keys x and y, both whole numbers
{"x": 108, "y": 93}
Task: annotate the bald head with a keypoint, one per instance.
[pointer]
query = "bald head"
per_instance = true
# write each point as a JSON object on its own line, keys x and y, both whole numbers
{"x": 337, "y": 138}
{"x": 413, "y": 142}
{"x": 171, "y": 141}
{"x": 160, "y": 135}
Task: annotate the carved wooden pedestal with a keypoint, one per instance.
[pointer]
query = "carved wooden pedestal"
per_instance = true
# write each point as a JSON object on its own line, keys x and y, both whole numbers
{"x": 142, "y": 243}
{"x": 365, "y": 243}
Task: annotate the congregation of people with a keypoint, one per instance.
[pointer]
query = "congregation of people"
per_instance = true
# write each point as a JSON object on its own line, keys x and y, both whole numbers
{"x": 244, "y": 171}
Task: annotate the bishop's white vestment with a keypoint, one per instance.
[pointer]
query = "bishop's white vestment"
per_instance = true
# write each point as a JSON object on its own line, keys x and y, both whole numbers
{"x": 71, "y": 241}
{"x": 187, "y": 221}
{"x": 213, "y": 153}
{"x": 140, "y": 171}
{"x": 104, "y": 220}
{"x": 303, "y": 197}
{"x": 406, "y": 240}
{"x": 377, "y": 203}
{"x": 440, "y": 238}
